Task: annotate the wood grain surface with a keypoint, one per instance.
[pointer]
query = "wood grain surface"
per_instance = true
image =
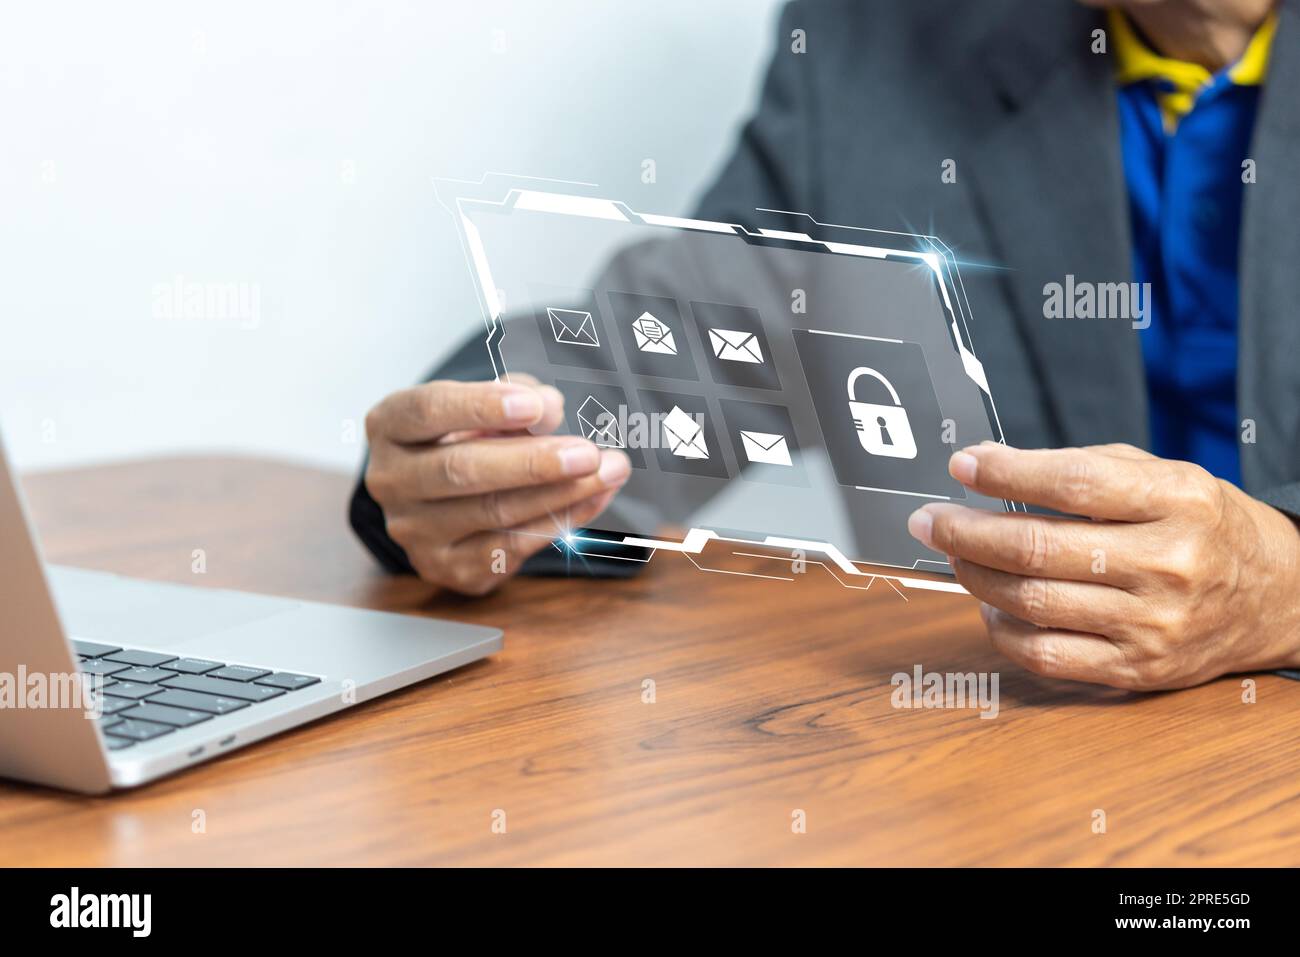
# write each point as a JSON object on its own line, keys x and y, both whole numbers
{"x": 771, "y": 697}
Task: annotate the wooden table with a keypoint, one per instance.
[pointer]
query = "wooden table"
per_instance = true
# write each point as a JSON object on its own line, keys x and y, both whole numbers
{"x": 771, "y": 697}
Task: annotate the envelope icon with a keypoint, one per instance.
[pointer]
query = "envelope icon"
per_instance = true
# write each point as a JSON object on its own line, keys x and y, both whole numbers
{"x": 767, "y": 448}
{"x": 653, "y": 336}
{"x": 735, "y": 345}
{"x": 684, "y": 436}
{"x": 599, "y": 425}
{"x": 573, "y": 327}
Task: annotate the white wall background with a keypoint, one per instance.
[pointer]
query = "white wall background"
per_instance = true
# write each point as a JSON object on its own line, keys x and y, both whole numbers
{"x": 290, "y": 146}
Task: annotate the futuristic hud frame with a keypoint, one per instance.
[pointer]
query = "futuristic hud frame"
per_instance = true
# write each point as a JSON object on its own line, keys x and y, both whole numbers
{"x": 795, "y": 387}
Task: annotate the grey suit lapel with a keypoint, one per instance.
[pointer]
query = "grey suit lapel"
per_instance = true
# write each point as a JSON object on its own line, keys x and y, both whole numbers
{"x": 1049, "y": 187}
{"x": 1268, "y": 362}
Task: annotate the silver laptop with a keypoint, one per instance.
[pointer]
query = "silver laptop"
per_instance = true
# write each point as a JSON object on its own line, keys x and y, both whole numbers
{"x": 109, "y": 682}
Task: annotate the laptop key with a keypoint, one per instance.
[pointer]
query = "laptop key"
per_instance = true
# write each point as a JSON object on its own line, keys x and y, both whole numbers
{"x": 140, "y": 730}
{"x": 240, "y": 673}
{"x": 288, "y": 681}
{"x": 222, "y": 687}
{"x": 98, "y": 666}
{"x": 192, "y": 666}
{"x": 145, "y": 659}
{"x": 146, "y": 675}
{"x": 130, "y": 689}
{"x": 108, "y": 721}
{"x": 211, "y": 703}
{"x": 162, "y": 714}
{"x": 117, "y": 744}
{"x": 93, "y": 649}
{"x": 111, "y": 705}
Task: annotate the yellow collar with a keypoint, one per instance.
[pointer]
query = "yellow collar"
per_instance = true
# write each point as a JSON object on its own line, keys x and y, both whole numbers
{"x": 1135, "y": 61}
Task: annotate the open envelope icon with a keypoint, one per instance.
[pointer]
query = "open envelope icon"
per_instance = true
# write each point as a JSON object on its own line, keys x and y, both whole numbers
{"x": 573, "y": 327}
{"x": 767, "y": 448}
{"x": 599, "y": 425}
{"x": 684, "y": 436}
{"x": 653, "y": 336}
{"x": 735, "y": 346}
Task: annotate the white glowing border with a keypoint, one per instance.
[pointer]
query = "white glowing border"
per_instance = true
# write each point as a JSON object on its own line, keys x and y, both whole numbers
{"x": 940, "y": 261}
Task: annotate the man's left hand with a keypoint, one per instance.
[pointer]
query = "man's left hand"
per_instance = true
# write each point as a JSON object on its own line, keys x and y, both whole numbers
{"x": 1171, "y": 578}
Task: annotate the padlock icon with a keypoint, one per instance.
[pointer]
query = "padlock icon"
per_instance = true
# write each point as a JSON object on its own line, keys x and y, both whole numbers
{"x": 882, "y": 429}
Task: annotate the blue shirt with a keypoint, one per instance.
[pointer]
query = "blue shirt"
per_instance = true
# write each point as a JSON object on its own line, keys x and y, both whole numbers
{"x": 1184, "y": 136}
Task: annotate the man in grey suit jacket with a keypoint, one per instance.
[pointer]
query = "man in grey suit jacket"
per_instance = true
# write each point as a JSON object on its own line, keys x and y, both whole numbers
{"x": 1000, "y": 122}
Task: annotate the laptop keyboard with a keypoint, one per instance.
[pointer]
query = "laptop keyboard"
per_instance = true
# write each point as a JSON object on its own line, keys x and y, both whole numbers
{"x": 148, "y": 694}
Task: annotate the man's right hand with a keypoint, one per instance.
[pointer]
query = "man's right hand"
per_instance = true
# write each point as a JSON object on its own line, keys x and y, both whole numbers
{"x": 467, "y": 475}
